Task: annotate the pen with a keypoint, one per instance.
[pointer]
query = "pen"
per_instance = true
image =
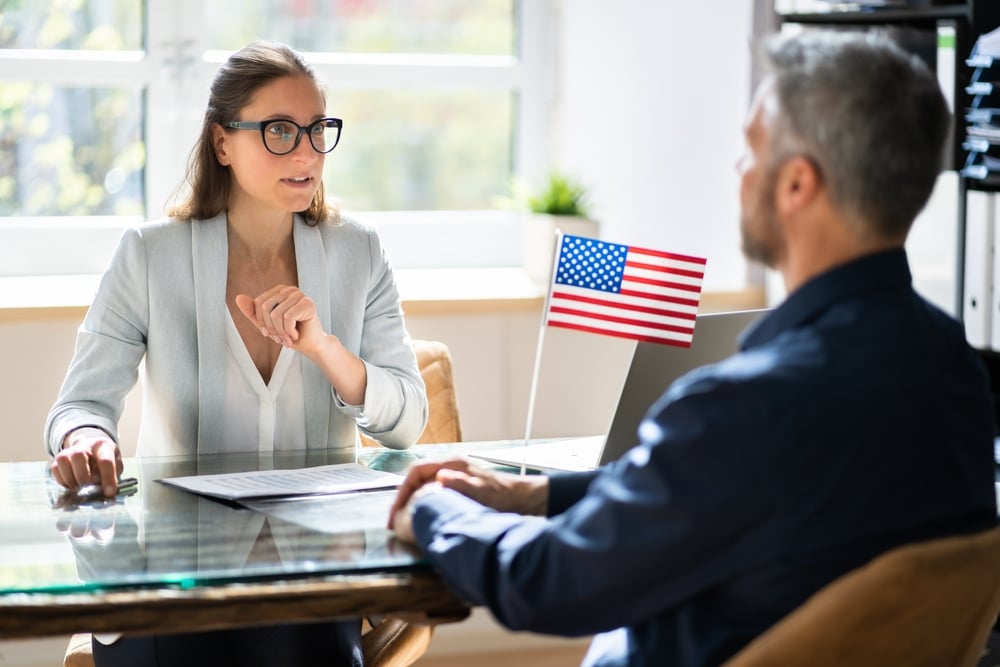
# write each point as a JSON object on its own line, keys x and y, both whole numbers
{"x": 92, "y": 491}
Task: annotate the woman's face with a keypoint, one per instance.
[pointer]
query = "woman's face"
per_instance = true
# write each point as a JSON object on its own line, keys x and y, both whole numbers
{"x": 262, "y": 180}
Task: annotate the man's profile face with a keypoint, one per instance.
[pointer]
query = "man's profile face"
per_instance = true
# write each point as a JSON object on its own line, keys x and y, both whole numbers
{"x": 761, "y": 236}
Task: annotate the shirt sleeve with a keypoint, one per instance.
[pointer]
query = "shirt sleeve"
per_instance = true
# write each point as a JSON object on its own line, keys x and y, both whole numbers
{"x": 565, "y": 488}
{"x": 660, "y": 524}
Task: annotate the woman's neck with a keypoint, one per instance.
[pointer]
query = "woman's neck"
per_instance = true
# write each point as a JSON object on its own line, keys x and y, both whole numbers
{"x": 261, "y": 241}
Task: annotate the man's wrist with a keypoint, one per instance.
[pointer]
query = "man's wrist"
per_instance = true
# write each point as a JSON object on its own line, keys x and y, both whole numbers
{"x": 534, "y": 492}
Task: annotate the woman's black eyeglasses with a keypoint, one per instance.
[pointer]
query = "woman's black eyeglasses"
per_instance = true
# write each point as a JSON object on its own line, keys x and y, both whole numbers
{"x": 282, "y": 136}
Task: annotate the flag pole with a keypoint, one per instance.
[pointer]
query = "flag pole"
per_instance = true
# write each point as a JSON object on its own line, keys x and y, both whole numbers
{"x": 538, "y": 354}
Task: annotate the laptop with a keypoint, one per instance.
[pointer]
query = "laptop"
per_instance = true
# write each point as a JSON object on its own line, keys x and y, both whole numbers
{"x": 652, "y": 369}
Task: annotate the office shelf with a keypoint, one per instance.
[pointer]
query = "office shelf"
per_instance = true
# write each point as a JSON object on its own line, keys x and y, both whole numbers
{"x": 921, "y": 16}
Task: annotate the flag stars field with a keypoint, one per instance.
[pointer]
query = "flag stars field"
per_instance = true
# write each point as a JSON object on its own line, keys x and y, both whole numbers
{"x": 625, "y": 291}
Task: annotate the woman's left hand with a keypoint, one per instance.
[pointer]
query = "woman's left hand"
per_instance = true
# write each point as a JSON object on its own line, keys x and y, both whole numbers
{"x": 285, "y": 315}
{"x": 288, "y": 317}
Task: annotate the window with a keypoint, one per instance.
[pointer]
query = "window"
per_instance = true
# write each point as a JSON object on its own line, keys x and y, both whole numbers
{"x": 443, "y": 103}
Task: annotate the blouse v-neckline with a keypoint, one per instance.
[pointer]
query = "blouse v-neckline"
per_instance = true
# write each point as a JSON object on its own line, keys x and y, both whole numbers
{"x": 249, "y": 369}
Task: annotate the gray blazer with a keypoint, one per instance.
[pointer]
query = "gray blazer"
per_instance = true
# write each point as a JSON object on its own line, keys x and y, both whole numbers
{"x": 162, "y": 299}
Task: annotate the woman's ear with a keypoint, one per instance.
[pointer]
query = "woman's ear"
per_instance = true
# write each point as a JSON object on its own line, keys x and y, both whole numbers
{"x": 796, "y": 185}
{"x": 219, "y": 144}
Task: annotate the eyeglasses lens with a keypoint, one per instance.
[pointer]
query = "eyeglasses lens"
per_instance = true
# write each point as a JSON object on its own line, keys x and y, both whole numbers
{"x": 281, "y": 136}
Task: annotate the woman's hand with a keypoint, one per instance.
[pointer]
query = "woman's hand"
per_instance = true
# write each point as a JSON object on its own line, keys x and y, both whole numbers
{"x": 88, "y": 456}
{"x": 285, "y": 315}
{"x": 288, "y": 317}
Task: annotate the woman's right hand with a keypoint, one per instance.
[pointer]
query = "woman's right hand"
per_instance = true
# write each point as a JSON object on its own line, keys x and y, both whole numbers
{"x": 89, "y": 456}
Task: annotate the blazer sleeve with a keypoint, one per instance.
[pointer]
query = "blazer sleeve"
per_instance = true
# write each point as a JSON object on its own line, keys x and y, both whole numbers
{"x": 110, "y": 344}
{"x": 395, "y": 410}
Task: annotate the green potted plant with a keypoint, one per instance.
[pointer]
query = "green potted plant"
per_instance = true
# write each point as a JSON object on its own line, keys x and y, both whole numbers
{"x": 561, "y": 196}
{"x": 560, "y": 204}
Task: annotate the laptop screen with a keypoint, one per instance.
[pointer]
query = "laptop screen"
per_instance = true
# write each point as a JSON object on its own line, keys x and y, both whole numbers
{"x": 654, "y": 367}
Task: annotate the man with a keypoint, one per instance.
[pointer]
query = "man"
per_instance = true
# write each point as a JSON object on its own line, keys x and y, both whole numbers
{"x": 855, "y": 417}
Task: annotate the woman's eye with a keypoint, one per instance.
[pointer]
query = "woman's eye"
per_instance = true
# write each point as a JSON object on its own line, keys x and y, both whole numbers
{"x": 283, "y": 130}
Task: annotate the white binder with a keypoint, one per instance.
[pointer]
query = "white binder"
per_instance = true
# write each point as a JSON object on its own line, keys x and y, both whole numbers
{"x": 995, "y": 277}
{"x": 978, "y": 308}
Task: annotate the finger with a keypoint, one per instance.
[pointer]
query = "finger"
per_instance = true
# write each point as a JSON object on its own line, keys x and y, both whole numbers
{"x": 277, "y": 311}
{"x": 458, "y": 481}
{"x": 302, "y": 309}
{"x": 63, "y": 523}
{"x": 106, "y": 461}
{"x": 57, "y": 474}
{"x": 418, "y": 475}
{"x": 285, "y": 317}
{"x": 102, "y": 527}
{"x": 400, "y": 524}
{"x": 79, "y": 528}
{"x": 103, "y": 535}
{"x": 246, "y": 306}
{"x": 256, "y": 308}
{"x": 481, "y": 487}
{"x": 77, "y": 468}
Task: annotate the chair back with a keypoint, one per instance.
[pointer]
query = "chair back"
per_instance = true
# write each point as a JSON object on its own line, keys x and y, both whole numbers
{"x": 927, "y": 604}
{"x": 443, "y": 424}
{"x": 434, "y": 361}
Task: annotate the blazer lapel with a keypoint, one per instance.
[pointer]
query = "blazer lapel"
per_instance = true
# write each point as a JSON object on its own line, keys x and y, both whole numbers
{"x": 210, "y": 250}
{"x": 310, "y": 259}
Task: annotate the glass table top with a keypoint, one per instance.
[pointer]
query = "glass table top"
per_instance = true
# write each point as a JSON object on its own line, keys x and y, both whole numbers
{"x": 160, "y": 535}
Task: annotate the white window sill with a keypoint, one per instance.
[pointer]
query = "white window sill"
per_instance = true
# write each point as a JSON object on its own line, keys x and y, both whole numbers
{"x": 422, "y": 291}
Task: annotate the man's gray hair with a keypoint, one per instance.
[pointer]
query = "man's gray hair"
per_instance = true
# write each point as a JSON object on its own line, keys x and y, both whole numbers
{"x": 870, "y": 115}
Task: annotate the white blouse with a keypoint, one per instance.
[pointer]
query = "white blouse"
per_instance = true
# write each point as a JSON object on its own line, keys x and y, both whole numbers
{"x": 256, "y": 416}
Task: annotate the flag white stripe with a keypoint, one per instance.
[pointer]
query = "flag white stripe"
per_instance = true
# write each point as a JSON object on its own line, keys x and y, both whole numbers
{"x": 635, "y": 330}
{"x": 633, "y": 300}
{"x": 666, "y": 262}
{"x": 660, "y": 275}
{"x": 612, "y": 311}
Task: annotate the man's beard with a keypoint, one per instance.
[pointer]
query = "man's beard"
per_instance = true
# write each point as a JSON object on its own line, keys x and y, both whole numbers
{"x": 765, "y": 246}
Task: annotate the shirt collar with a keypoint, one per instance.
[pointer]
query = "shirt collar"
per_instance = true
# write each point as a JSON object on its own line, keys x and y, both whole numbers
{"x": 882, "y": 271}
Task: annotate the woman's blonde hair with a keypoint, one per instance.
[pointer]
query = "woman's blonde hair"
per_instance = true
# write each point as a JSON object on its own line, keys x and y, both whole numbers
{"x": 246, "y": 71}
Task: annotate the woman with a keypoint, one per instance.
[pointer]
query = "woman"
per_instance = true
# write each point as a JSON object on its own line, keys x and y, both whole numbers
{"x": 266, "y": 320}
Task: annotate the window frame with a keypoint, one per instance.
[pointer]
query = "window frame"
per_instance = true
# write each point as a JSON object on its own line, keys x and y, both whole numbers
{"x": 175, "y": 66}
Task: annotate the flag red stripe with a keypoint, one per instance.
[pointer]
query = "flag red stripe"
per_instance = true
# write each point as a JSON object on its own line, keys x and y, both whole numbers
{"x": 622, "y": 334}
{"x": 662, "y": 283}
{"x": 659, "y": 297}
{"x": 624, "y": 306}
{"x": 622, "y": 320}
{"x": 667, "y": 255}
{"x": 665, "y": 269}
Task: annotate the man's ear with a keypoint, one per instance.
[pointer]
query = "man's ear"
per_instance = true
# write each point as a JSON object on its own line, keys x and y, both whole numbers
{"x": 219, "y": 144}
{"x": 797, "y": 184}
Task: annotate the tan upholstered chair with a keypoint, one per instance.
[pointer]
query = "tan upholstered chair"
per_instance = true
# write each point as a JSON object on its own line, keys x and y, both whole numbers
{"x": 434, "y": 361}
{"x": 392, "y": 642}
{"x": 930, "y": 604}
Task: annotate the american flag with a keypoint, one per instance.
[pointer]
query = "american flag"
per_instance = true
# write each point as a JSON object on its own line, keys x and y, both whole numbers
{"x": 625, "y": 291}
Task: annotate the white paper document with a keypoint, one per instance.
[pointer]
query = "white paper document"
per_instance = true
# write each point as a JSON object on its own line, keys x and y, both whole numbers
{"x": 318, "y": 480}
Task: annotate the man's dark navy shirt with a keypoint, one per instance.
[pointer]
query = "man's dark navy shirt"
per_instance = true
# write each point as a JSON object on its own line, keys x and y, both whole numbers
{"x": 854, "y": 418}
